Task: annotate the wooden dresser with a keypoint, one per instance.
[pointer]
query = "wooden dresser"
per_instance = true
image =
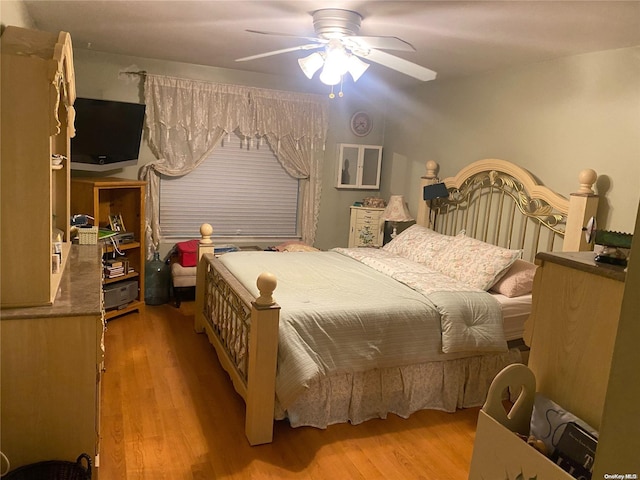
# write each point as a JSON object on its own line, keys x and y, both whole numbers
{"x": 572, "y": 333}
{"x": 51, "y": 365}
{"x": 51, "y": 316}
{"x": 572, "y": 330}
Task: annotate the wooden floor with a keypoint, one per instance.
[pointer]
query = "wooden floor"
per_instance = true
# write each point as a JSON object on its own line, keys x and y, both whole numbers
{"x": 169, "y": 412}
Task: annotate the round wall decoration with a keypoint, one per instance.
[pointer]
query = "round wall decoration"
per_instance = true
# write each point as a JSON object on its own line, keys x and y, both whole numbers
{"x": 361, "y": 124}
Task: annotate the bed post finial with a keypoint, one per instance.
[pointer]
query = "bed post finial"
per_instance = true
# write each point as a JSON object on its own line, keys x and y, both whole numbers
{"x": 266, "y": 284}
{"x": 205, "y": 232}
{"x": 432, "y": 170}
{"x": 206, "y": 244}
{"x": 587, "y": 178}
{"x": 583, "y": 205}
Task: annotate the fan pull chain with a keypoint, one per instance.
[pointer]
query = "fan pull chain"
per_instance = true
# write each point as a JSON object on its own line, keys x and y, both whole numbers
{"x": 340, "y": 93}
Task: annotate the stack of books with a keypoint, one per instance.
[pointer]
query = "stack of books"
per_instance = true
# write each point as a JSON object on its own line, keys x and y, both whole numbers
{"x": 116, "y": 267}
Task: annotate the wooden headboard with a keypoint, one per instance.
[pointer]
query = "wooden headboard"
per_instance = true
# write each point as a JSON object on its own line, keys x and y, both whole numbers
{"x": 503, "y": 204}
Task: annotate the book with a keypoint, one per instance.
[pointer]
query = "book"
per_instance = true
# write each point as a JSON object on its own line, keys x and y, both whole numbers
{"x": 576, "y": 451}
{"x": 115, "y": 275}
{"x": 104, "y": 233}
{"x": 121, "y": 263}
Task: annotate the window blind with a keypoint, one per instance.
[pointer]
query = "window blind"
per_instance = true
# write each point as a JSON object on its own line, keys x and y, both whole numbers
{"x": 241, "y": 190}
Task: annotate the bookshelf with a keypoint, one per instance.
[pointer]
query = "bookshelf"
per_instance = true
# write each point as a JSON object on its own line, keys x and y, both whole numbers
{"x": 108, "y": 198}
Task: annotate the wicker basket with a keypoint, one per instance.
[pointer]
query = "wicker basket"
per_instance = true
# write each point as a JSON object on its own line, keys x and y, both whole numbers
{"x": 88, "y": 236}
{"x": 54, "y": 470}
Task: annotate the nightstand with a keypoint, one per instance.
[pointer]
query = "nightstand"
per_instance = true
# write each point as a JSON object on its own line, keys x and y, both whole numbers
{"x": 366, "y": 227}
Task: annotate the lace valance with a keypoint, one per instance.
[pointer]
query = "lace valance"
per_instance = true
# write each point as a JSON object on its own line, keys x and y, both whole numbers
{"x": 200, "y": 105}
{"x": 187, "y": 118}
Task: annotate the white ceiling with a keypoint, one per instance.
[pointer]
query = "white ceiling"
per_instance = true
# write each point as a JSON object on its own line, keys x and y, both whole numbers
{"x": 454, "y": 38}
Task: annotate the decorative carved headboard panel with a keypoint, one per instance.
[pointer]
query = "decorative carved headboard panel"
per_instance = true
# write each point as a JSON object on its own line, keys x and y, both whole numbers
{"x": 500, "y": 203}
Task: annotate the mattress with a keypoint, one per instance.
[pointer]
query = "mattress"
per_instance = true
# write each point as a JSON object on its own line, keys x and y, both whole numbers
{"x": 515, "y": 312}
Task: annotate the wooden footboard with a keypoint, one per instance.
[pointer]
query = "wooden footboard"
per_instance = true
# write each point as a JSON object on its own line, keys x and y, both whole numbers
{"x": 244, "y": 333}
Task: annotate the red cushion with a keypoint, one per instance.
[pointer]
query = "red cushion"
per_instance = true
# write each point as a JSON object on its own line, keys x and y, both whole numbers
{"x": 188, "y": 253}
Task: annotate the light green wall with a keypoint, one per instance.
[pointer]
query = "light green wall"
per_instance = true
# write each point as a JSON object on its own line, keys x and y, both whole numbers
{"x": 553, "y": 118}
{"x": 14, "y": 13}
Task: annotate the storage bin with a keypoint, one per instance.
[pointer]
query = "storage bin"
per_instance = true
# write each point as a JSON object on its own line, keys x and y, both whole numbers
{"x": 188, "y": 253}
{"x": 498, "y": 453}
{"x": 54, "y": 470}
{"x": 88, "y": 236}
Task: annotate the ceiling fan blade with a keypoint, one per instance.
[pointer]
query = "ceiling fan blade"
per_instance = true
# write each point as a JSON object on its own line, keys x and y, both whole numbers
{"x": 312, "y": 39}
{"x": 309, "y": 46}
{"x": 401, "y": 65}
{"x": 384, "y": 43}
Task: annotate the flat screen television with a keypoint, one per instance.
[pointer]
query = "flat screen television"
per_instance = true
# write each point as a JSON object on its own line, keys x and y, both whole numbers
{"x": 108, "y": 134}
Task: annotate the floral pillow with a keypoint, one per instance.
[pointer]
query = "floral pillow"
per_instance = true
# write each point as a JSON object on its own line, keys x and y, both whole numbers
{"x": 473, "y": 262}
{"x": 419, "y": 244}
{"x": 517, "y": 281}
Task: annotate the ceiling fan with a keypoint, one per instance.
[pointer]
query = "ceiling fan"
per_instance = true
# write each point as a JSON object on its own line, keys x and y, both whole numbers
{"x": 343, "y": 50}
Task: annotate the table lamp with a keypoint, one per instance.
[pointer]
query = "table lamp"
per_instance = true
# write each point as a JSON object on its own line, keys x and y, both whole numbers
{"x": 396, "y": 211}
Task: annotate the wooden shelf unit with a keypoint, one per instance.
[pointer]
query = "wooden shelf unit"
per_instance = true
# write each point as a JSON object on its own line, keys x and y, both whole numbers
{"x": 103, "y": 197}
{"x": 38, "y": 92}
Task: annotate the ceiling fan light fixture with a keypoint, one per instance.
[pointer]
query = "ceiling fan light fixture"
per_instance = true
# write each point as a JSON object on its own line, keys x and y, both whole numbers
{"x": 356, "y": 67}
{"x": 337, "y": 32}
{"x": 311, "y": 64}
{"x": 330, "y": 76}
{"x": 337, "y": 58}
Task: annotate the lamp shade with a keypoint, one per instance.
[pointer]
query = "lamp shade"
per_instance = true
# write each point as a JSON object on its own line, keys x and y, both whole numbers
{"x": 311, "y": 64}
{"x": 397, "y": 210}
{"x": 356, "y": 67}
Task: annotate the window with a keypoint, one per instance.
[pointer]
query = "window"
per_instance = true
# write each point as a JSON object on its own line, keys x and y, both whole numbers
{"x": 241, "y": 191}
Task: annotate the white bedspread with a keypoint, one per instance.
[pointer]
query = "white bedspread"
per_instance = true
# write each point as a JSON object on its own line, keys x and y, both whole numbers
{"x": 346, "y": 311}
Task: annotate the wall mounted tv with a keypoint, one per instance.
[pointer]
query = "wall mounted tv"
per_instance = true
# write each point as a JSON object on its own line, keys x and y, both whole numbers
{"x": 108, "y": 134}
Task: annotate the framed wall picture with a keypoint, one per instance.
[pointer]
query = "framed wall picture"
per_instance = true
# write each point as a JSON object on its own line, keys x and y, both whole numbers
{"x": 116, "y": 224}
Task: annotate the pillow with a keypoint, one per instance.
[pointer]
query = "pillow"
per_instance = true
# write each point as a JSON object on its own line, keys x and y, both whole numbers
{"x": 517, "y": 281}
{"x": 300, "y": 247}
{"x": 474, "y": 262}
{"x": 419, "y": 244}
{"x": 295, "y": 246}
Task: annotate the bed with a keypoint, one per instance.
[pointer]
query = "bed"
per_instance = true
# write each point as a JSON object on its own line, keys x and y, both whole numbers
{"x": 360, "y": 333}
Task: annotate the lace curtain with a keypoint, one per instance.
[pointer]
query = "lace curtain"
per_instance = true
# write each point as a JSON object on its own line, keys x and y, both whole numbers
{"x": 186, "y": 120}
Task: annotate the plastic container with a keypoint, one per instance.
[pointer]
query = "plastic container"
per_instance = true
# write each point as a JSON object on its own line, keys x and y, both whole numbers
{"x": 156, "y": 281}
{"x": 54, "y": 470}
